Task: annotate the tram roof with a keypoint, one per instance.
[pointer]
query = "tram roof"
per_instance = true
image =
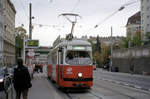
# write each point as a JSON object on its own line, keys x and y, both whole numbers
{"x": 73, "y": 42}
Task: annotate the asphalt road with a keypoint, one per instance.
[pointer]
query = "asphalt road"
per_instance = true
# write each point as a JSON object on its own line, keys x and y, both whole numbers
{"x": 43, "y": 89}
{"x": 136, "y": 81}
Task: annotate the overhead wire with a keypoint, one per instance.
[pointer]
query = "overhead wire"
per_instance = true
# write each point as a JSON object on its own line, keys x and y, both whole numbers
{"x": 55, "y": 10}
{"x": 77, "y": 3}
{"x": 19, "y": 20}
{"x": 23, "y": 7}
{"x": 108, "y": 17}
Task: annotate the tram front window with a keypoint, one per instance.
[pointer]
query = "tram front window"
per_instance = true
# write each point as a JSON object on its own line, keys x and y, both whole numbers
{"x": 78, "y": 58}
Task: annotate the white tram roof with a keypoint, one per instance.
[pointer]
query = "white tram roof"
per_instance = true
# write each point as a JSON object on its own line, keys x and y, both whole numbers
{"x": 73, "y": 42}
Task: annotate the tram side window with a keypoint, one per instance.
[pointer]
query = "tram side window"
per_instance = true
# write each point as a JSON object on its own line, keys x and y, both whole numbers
{"x": 54, "y": 58}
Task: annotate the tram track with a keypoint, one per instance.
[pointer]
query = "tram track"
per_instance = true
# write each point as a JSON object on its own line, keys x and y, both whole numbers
{"x": 89, "y": 93}
{"x": 72, "y": 97}
{"x": 95, "y": 95}
{"x": 115, "y": 91}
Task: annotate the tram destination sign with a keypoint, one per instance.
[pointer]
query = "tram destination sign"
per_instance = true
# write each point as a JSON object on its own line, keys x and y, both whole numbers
{"x": 78, "y": 48}
{"x": 32, "y": 43}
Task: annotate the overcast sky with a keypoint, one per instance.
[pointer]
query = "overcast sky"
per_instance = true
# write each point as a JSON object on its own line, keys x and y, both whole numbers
{"x": 46, "y": 12}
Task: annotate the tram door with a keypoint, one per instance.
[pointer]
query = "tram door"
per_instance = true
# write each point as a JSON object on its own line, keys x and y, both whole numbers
{"x": 60, "y": 62}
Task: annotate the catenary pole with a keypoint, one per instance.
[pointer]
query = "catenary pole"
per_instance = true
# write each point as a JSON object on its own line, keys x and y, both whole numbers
{"x": 30, "y": 21}
{"x": 111, "y": 45}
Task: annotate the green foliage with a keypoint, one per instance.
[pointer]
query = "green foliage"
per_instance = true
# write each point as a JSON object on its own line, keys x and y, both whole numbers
{"x": 98, "y": 45}
{"x": 136, "y": 42}
{"x": 148, "y": 37}
{"x": 20, "y": 34}
{"x": 101, "y": 54}
{"x": 125, "y": 43}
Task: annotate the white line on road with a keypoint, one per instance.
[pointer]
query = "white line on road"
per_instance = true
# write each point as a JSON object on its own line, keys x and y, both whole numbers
{"x": 126, "y": 84}
{"x": 138, "y": 87}
{"x": 109, "y": 80}
{"x": 117, "y": 82}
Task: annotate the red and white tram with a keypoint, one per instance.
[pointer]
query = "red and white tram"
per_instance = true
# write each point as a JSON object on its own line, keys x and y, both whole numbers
{"x": 70, "y": 63}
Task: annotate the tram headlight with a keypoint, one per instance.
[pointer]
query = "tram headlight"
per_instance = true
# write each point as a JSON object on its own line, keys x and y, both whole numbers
{"x": 1, "y": 80}
{"x": 79, "y": 74}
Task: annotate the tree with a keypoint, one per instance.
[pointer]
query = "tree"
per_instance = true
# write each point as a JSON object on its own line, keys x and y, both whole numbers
{"x": 20, "y": 34}
{"x": 125, "y": 43}
{"x": 131, "y": 42}
{"x": 98, "y": 45}
{"x": 147, "y": 37}
{"x": 136, "y": 41}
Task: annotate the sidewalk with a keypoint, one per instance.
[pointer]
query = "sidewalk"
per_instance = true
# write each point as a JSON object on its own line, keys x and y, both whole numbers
{"x": 42, "y": 88}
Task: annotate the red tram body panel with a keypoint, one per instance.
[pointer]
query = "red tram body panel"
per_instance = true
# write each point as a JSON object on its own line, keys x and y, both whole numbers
{"x": 71, "y": 67}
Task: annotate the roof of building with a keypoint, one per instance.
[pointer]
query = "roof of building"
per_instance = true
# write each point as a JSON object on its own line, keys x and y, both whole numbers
{"x": 11, "y": 5}
{"x": 135, "y": 19}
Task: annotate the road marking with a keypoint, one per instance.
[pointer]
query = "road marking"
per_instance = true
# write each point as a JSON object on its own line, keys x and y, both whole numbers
{"x": 104, "y": 79}
{"x": 126, "y": 84}
{"x": 138, "y": 87}
{"x": 117, "y": 82}
{"x": 109, "y": 80}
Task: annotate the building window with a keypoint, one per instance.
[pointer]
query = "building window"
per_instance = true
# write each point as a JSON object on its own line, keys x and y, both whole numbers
{"x": 142, "y": 21}
{"x": 142, "y": 28}
{"x": 142, "y": 15}
{"x": 148, "y": 8}
{"x": 142, "y": 8}
{"x": 147, "y": 25}
{"x": 148, "y": 16}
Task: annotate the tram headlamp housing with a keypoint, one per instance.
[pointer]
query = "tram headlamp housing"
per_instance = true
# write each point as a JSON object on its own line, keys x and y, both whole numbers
{"x": 80, "y": 75}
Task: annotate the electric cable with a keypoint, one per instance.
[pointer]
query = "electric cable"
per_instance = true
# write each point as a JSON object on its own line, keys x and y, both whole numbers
{"x": 108, "y": 17}
{"x": 23, "y": 7}
{"x": 75, "y": 5}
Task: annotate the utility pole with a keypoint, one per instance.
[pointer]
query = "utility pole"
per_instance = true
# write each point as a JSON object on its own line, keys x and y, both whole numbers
{"x": 30, "y": 21}
{"x": 111, "y": 51}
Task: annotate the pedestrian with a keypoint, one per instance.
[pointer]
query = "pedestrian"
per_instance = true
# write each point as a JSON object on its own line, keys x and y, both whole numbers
{"x": 41, "y": 68}
{"x": 132, "y": 69}
{"x": 131, "y": 66}
{"x": 22, "y": 80}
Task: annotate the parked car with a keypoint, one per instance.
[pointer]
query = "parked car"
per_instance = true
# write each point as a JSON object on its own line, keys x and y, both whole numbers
{"x": 10, "y": 73}
{"x": 5, "y": 83}
{"x": 2, "y": 78}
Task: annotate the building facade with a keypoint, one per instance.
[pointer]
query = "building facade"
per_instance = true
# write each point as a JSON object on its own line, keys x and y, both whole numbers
{"x": 145, "y": 18}
{"x": 1, "y": 30}
{"x": 41, "y": 54}
{"x": 133, "y": 25}
{"x": 107, "y": 40}
{"x": 9, "y": 13}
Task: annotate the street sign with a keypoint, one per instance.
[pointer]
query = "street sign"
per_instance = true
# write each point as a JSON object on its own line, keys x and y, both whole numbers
{"x": 32, "y": 43}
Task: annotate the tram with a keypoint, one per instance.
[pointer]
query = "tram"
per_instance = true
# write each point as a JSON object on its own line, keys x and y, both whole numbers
{"x": 70, "y": 63}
